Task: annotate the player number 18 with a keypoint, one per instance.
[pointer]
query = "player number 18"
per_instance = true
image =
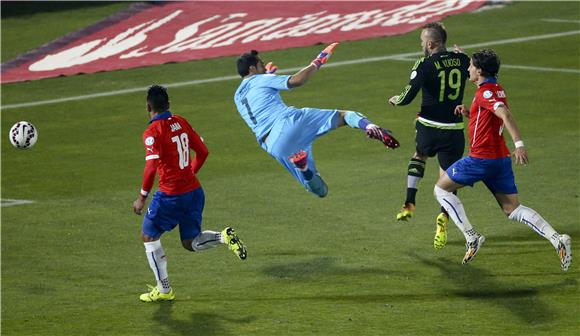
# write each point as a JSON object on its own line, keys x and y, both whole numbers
{"x": 182, "y": 142}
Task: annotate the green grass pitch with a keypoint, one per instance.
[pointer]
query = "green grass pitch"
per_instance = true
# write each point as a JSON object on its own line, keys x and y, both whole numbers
{"x": 73, "y": 264}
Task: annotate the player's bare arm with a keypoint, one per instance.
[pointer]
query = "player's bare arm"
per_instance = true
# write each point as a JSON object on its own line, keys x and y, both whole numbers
{"x": 301, "y": 77}
{"x": 520, "y": 154}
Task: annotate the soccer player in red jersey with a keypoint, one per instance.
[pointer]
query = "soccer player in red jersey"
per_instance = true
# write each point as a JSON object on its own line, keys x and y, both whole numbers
{"x": 180, "y": 198}
{"x": 489, "y": 161}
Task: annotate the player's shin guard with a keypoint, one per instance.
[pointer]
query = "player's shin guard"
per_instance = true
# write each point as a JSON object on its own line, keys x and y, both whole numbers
{"x": 356, "y": 120}
{"x": 158, "y": 263}
{"x": 206, "y": 240}
{"x": 533, "y": 219}
{"x": 454, "y": 208}
{"x": 317, "y": 186}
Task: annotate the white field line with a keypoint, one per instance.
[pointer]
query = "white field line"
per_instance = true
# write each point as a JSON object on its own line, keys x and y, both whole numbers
{"x": 399, "y": 57}
{"x": 561, "y": 20}
{"x": 510, "y": 66}
{"x": 6, "y": 202}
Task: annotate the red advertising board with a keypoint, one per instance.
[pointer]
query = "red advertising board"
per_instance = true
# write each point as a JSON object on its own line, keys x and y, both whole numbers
{"x": 154, "y": 34}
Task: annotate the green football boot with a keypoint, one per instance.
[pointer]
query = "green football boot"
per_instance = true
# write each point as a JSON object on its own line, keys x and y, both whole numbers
{"x": 234, "y": 243}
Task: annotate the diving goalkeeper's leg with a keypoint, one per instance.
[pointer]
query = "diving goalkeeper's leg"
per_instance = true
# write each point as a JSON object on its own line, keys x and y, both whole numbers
{"x": 314, "y": 182}
{"x": 357, "y": 120}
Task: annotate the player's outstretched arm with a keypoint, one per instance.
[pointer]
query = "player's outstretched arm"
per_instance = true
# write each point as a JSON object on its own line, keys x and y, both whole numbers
{"x": 520, "y": 154}
{"x": 301, "y": 77}
{"x": 415, "y": 84}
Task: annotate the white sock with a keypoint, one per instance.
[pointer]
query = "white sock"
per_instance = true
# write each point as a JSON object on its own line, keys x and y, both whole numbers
{"x": 533, "y": 219}
{"x": 454, "y": 208}
{"x": 206, "y": 240}
{"x": 158, "y": 264}
{"x": 412, "y": 181}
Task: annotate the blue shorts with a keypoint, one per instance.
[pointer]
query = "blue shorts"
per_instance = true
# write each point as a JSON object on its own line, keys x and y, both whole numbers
{"x": 497, "y": 174}
{"x": 297, "y": 131}
{"x": 166, "y": 211}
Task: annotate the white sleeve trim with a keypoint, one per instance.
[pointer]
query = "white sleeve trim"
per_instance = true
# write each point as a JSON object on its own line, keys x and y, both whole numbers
{"x": 497, "y": 105}
{"x": 152, "y": 157}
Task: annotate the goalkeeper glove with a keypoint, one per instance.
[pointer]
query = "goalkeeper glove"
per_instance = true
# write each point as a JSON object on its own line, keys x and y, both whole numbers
{"x": 324, "y": 55}
{"x": 270, "y": 68}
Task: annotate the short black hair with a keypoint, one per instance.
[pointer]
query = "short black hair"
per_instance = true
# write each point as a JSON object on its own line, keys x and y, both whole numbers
{"x": 437, "y": 32}
{"x": 488, "y": 61}
{"x": 245, "y": 61}
{"x": 158, "y": 98}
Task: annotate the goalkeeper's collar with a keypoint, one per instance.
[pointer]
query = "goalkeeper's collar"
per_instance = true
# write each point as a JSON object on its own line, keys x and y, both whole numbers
{"x": 164, "y": 115}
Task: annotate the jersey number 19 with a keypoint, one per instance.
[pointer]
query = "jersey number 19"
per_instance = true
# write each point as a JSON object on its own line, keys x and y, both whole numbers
{"x": 454, "y": 82}
{"x": 182, "y": 142}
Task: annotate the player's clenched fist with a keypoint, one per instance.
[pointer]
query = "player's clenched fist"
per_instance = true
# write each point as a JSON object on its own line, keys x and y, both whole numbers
{"x": 270, "y": 68}
{"x": 324, "y": 55}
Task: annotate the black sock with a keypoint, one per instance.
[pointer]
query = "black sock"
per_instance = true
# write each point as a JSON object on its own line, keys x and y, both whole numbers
{"x": 411, "y": 192}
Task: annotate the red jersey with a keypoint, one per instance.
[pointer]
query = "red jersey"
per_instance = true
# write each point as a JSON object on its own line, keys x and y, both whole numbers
{"x": 168, "y": 140}
{"x": 485, "y": 128}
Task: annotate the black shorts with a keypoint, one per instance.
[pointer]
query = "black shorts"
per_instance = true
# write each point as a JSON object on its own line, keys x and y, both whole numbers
{"x": 448, "y": 145}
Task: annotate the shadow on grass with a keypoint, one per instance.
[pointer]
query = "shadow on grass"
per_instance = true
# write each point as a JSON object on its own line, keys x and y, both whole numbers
{"x": 319, "y": 267}
{"x": 205, "y": 324}
{"x": 526, "y": 236}
{"x": 479, "y": 284}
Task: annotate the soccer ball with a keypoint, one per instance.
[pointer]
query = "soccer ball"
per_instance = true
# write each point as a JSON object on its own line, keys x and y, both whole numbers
{"x": 23, "y": 135}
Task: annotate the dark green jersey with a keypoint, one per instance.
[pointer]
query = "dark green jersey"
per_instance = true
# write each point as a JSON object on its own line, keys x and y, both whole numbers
{"x": 441, "y": 77}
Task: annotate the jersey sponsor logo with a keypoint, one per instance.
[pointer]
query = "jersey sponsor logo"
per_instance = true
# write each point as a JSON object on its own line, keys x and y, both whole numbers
{"x": 487, "y": 94}
{"x": 413, "y": 74}
{"x": 149, "y": 141}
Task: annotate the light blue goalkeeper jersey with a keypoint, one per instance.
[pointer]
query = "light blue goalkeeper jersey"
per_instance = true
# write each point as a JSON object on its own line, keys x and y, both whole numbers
{"x": 259, "y": 103}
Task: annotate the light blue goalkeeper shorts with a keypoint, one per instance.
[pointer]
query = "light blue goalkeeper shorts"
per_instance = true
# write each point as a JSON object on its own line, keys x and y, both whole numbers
{"x": 297, "y": 131}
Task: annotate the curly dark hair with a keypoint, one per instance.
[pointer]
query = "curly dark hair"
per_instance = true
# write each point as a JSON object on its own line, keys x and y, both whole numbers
{"x": 488, "y": 61}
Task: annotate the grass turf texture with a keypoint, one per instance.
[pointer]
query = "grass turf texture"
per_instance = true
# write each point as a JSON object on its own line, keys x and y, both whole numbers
{"x": 72, "y": 262}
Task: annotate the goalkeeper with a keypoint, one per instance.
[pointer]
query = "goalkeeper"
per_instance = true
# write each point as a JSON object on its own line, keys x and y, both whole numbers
{"x": 286, "y": 132}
